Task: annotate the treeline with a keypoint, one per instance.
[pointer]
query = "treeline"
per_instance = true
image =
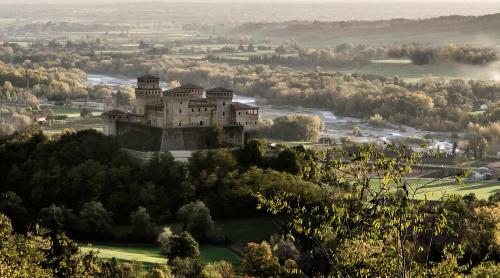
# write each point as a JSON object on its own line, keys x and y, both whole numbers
{"x": 54, "y": 83}
{"x": 347, "y": 55}
{"x": 12, "y": 121}
{"x": 342, "y": 55}
{"x": 51, "y": 27}
{"x": 431, "y": 104}
{"x": 91, "y": 184}
{"x": 335, "y": 223}
{"x": 422, "y": 55}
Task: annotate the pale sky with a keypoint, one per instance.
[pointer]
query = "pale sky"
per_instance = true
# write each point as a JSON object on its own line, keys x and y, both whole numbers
{"x": 233, "y": 1}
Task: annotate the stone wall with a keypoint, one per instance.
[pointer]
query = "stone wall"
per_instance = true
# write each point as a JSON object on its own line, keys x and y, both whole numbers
{"x": 149, "y": 138}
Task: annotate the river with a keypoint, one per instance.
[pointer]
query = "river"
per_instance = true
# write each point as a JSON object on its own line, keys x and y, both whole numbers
{"x": 335, "y": 126}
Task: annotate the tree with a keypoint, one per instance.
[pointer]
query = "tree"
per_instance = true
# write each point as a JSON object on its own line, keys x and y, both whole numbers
{"x": 364, "y": 230}
{"x": 182, "y": 245}
{"x": 289, "y": 161}
{"x": 7, "y": 87}
{"x": 85, "y": 112}
{"x": 94, "y": 218}
{"x": 142, "y": 226}
{"x": 258, "y": 260}
{"x": 196, "y": 219}
{"x": 57, "y": 217}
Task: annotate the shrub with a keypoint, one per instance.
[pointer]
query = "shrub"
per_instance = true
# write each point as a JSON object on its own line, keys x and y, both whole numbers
{"x": 258, "y": 260}
{"x": 196, "y": 219}
{"x": 142, "y": 226}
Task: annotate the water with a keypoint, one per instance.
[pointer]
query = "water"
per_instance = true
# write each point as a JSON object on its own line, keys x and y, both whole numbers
{"x": 335, "y": 126}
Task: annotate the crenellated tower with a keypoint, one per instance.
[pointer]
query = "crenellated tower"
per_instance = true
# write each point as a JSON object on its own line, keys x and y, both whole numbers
{"x": 222, "y": 99}
{"x": 148, "y": 91}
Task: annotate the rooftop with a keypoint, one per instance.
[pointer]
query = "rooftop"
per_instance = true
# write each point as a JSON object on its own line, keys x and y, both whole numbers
{"x": 147, "y": 76}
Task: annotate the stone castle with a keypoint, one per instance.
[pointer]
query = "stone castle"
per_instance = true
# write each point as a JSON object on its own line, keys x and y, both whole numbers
{"x": 179, "y": 118}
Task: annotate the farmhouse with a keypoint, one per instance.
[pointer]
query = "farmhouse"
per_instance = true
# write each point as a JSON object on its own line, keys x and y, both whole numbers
{"x": 183, "y": 114}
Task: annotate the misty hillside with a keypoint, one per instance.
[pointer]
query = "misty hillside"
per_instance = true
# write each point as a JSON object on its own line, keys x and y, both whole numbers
{"x": 441, "y": 30}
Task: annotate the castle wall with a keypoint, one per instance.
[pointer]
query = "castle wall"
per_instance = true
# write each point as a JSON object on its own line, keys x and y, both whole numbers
{"x": 248, "y": 118}
{"x": 200, "y": 116}
{"x": 139, "y": 137}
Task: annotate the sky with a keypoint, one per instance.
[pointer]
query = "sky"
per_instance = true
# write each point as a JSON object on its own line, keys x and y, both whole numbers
{"x": 232, "y": 1}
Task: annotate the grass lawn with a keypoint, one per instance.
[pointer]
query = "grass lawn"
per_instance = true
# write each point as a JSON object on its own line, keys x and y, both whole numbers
{"x": 239, "y": 231}
{"x": 482, "y": 189}
{"x": 149, "y": 254}
{"x": 435, "y": 190}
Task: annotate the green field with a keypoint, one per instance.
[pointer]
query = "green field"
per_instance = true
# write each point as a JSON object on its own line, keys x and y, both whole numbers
{"x": 482, "y": 189}
{"x": 434, "y": 190}
{"x": 239, "y": 231}
{"x": 150, "y": 254}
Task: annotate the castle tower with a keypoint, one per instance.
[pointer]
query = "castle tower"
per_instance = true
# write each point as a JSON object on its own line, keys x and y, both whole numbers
{"x": 222, "y": 98}
{"x": 148, "y": 90}
{"x": 176, "y": 107}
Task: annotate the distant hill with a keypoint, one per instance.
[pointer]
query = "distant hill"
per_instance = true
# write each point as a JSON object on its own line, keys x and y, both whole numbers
{"x": 483, "y": 30}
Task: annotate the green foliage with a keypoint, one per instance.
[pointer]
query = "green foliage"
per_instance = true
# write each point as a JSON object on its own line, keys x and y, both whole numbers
{"x": 95, "y": 219}
{"x": 366, "y": 230}
{"x": 258, "y": 260}
{"x": 182, "y": 245}
{"x": 142, "y": 225}
{"x": 294, "y": 128}
{"x": 196, "y": 219}
{"x": 220, "y": 269}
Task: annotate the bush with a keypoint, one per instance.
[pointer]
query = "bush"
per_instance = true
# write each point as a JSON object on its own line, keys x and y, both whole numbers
{"x": 196, "y": 219}
{"x": 142, "y": 226}
{"x": 182, "y": 245}
{"x": 220, "y": 269}
{"x": 258, "y": 260}
{"x": 294, "y": 128}
{"x": 94, "y": 218}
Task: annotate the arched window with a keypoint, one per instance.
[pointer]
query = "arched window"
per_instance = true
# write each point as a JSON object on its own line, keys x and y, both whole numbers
{"x": 180, "y": 111}
{"x": 201, "y": 122}
{"x": 223, "y": 103}
{"x": 223, "y": 113}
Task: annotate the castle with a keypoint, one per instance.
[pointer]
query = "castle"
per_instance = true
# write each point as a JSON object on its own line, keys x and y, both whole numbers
{"x": 182, "y": 116}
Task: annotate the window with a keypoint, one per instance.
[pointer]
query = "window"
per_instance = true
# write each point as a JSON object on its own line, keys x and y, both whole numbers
{"x": 223, "y": 103}
{"x": 199, "y": 109}
{"x": 180, "y": 111}
{"x": 205, "y": 109}
{"x": 239, "y": 113}
{"x": 201, "y": 122}
{"x": 180, "y": 123}
{"x": 223, "y": 113}
{"x": 192, "y": 110}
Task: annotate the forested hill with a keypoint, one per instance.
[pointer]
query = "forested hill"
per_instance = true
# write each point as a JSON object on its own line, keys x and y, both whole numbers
{"x": 440, "y": 30}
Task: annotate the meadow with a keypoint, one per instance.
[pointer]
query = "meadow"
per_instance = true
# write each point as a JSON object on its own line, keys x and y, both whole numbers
{"x": 238, "y": 231}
